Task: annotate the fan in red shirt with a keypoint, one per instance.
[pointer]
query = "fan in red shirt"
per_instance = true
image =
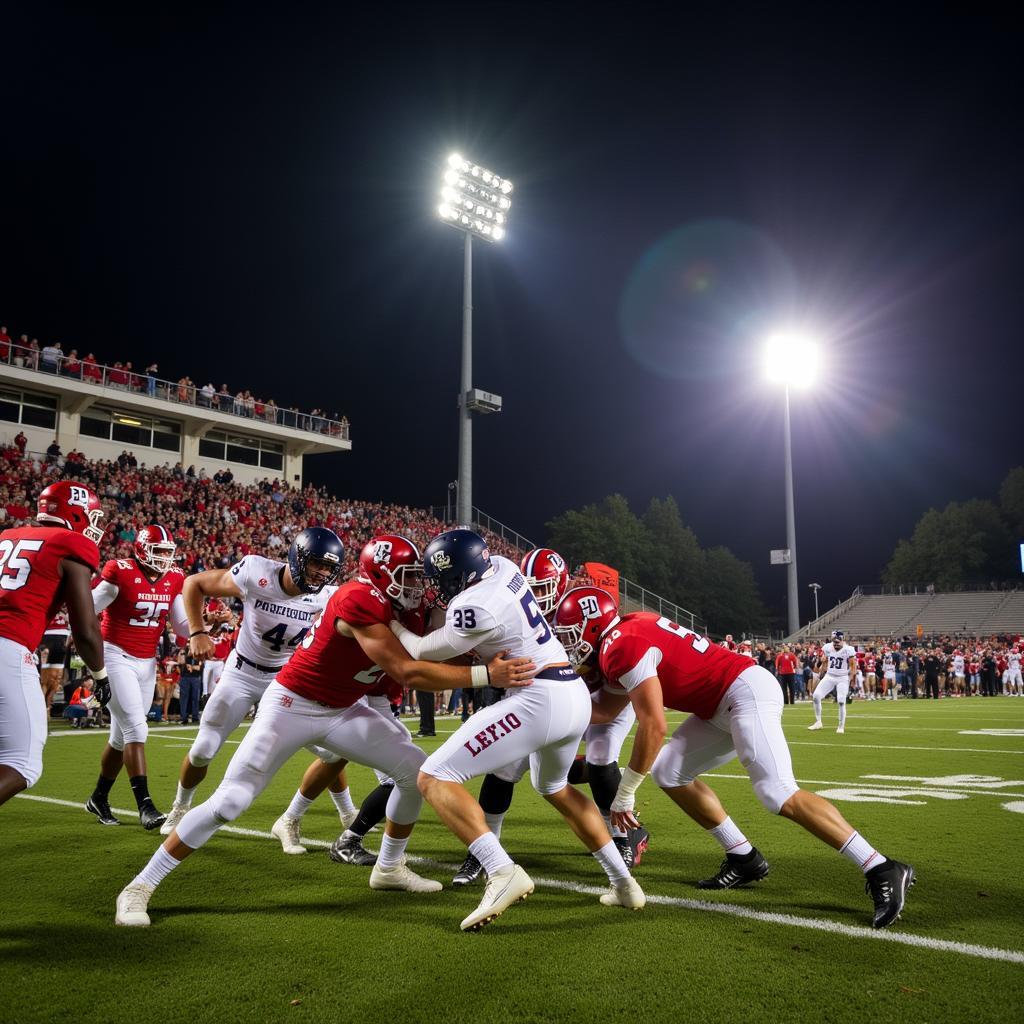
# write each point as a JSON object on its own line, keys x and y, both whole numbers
{"x": 316, "y": 700}
{"x": 735, "y": 709}
{"x": 41, "y": 568}
{"x": 135, "y": 596}
{"x": 786, "y": 667}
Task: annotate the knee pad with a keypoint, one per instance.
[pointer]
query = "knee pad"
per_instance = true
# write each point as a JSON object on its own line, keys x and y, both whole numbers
{"x": 578, "y": 773}
{"x": 406, "y": 771}
{"x": 666, "y": 770}
{"x": 604, "y": 783}
{"x": 135, "y": 733}
{"x": 496, "y": 794}
{"x": 205, "y": 746}
{"x": 773, "y": 793}
{"x": 404, "y": 804}
{"x": 230, "y": 801}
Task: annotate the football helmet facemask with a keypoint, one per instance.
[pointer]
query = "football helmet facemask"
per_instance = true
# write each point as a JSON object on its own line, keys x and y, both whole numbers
{"x": 392, "y": 564}
{"x": 548, "y": 576}
{"x": 154, "y": 548}
{"x": 582, "y": 617}
{"x": 74, "y": 506}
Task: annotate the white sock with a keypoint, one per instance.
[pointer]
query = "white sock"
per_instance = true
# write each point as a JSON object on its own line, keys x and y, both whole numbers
{"x": 489, "y": 852}
{"x": 160, "y": 865}
{"x": 730, "y": 838}
{"x": 611, "y": 860}
{"x": 299, "y": 805}
{"x": 391, "y": 851}
{"x": 184, "y": 796}
{"x": 817, "y": 708}
{"x": 842, "y": 715}
{"x": 494, "y": 822}
{"x": 861, "y": 852}
{"x": 343, "y": 801}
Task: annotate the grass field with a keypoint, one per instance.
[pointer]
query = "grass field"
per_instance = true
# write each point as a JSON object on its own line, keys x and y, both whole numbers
{"x": 242, "y": 932}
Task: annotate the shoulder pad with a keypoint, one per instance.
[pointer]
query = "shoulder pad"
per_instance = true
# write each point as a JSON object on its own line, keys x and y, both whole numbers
{"x": 361, "y": 605}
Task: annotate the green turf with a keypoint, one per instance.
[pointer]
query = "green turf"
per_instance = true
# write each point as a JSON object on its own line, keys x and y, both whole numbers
{"x": 242, "y": 932}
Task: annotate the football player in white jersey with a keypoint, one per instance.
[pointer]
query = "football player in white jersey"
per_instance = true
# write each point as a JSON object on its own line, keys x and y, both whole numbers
{"x": 889, "y": 688}
{"x": 837, "y": 668}
{"x": 1012, "y": 681}
{"x": 280, "y": 602}
{"x": 490, "y": 608}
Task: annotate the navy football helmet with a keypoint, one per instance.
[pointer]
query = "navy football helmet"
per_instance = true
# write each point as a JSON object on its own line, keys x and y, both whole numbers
{"x": 316, "y": 558}
{"x": 452, "y": 561}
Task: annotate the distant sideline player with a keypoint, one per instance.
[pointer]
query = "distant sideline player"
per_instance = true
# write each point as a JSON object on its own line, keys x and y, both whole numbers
{"x": 837, "y": 667}
{"x": 134, "y": 597}
{"x": 735, "y": 709}
{"x": 41, "y": 568}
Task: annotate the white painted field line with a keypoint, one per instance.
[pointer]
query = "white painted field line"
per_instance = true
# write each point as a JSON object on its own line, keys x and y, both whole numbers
{"x": 703, "y": 906}
{"x": 155, "y": 730}
{"x": 839, "y": 744}
{"x": 867, "y": 782}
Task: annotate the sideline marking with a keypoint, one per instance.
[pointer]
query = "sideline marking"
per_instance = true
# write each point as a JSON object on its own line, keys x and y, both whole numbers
{"x": 1011, "y": 956}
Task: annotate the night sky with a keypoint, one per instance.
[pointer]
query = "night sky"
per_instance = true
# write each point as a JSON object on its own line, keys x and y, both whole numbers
{"x": 250, "y": 199}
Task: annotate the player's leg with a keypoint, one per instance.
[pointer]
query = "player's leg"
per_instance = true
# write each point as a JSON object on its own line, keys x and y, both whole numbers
{"x": 821, "y": 691}
{"x": 348, "y": 847}
{"x": 698, "y": 746}
{"x": 232, "y": 697}
{"x": 143, "y": 671}
{"x": 326, "y": 771}
{"x": 22, "y": 721}
{"x": 363, "y": 734}
{"x": 756, "y": 725}
{"x": 278, "y": 732}
{"x": 842, "y": 693}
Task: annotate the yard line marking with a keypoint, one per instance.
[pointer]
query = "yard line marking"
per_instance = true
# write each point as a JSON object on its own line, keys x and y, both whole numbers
{"x": 1011, "y": 956}
{"x": 869, "y": 782}
{"x": 878, "y": 746}
{"x": 163, "y": 730}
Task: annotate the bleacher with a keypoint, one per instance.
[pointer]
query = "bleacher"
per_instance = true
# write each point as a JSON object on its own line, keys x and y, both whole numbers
{"x": 1006, "y": 617}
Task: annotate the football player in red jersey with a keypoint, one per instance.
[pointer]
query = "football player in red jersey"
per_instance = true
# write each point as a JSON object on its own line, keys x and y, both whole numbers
{"x": 735, "y": 708}
{"x": 42, "y": 567}
{"x": 55, "y": 640}
{"x": 316, "y": 699}
{"x": 135, "y": 597}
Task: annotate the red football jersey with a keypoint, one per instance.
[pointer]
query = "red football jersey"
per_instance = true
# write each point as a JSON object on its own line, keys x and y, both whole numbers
{"x": 135, "y": 620}
{"x": 331, "y": 668}
{"x": 694, "y": 672}
{"x": 59, "y": 623}
{"x": 870, "y": 663}
{"x": 31, "y": 587}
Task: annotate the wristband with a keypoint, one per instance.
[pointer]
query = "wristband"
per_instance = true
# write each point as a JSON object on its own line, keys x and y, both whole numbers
{"x": 198, "y": 632}
{"x": 99, "y": 675}
{"x": 630, "y": 781}
{"x": 479, "y": 676}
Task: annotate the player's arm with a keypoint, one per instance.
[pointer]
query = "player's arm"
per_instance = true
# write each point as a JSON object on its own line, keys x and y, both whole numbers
{"x": 441, "y": 645}
{"x": 651, "y": 729}
{"x": 212, "y": 583}
{"x": 608, "y": 705}
{"x": 85, "y": 627}
{"x": 382, "y": 647}
{"x": 104, "y": 594}
{"x": 178, "y": 617}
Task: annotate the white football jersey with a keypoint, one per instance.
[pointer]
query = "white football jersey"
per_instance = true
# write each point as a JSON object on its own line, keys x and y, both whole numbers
{"x": 502, "y": 612}
{"x": 888, "y": 663}
{"x": 273, "y": 623}
{"x": 838, "y": 661}
{"x": 958, "y": 664}
{"x": 1013, "y": 661}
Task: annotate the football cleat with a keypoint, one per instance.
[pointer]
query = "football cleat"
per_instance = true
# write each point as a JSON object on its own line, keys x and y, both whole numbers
{"x": 99, "y": 806}
{"x": 505, "y": 887}
{"x": 288, "y": 830}
{"x": 403, "y": 878}
{"x": 132, "y": 902}
{"x": 817, "y": 725}
{"x": 351, "y": 851}
{"x": 887, "y": 885}
{"x": 626, "y": 894}
{"x": 633, "y": 846}
{"x": 176, "y": 813}
{"x": 841, "y": 731}
{"x": 470, "y": 871}
{"x": 737, "y": 869}
{"x": 149, "y": 817}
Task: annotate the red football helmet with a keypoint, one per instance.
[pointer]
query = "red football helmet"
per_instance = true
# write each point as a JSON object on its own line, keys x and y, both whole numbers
{"x": 154, "y": 548}
{"x": 393, "y": 564}
{"x": 74, "y": 506}
{"x": 582, "y": 617}
{"x": 546, "y": 572}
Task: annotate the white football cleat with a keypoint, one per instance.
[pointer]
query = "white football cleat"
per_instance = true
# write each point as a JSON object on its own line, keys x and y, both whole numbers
{"x": 817, "y": 725}
{"x": 174, "y": 815}
{"x": 626, "y": 894}
{"x": 505, "y": 887}
{"x": 403, "y": 878}
{"x": 288, "y": 830}
{"x": 347, "y": 817}
{"x": 132, "y": 902}
{"x": 841, "y": 730}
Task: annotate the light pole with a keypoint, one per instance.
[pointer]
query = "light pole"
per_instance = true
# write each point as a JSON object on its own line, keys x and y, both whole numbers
{"x": 792, "y": 360}
{"x": 815, "y": 587}
{"x": 475, "y": 201}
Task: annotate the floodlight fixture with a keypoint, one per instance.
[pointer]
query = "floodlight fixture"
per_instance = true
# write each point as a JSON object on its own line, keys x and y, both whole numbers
{"x": 475, "y": 199}
{"x": 791, "y": 358}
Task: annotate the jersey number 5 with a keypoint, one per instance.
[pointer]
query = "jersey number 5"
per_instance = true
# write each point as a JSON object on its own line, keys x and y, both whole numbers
{"x": 14, "y": 569}
{"x": 151, "y": 611}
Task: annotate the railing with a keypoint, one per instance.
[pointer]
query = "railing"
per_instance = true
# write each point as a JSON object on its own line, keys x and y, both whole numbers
{"x": 928, "y": 589}
{"x": 120, "y": 379}
{"x": 827, "y": 618}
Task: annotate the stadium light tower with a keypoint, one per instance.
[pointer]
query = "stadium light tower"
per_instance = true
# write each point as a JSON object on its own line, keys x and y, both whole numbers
{"x": 476, "y": 202}
{"x": 791, "y": 358}
{"x": 815, "y": 587}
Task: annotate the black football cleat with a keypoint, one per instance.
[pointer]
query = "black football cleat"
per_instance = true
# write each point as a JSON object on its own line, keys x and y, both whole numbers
{"x": 887, "y": 885}
{"x": 351, "y": 851}
{"x": 99, "y": 806}
{"x": 737, "y": 869}
{"x": 633, "y": 846}
{"x": 470, "y": 871}
{"x": 149, "y": 817}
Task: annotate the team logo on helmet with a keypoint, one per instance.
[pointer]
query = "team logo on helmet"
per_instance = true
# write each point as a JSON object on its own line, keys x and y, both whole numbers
{"x": 589, "y": 607}
{"x": 78, "y": 496}
{"x": 382, "y": 551}
{"x": 441, "y": 561}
